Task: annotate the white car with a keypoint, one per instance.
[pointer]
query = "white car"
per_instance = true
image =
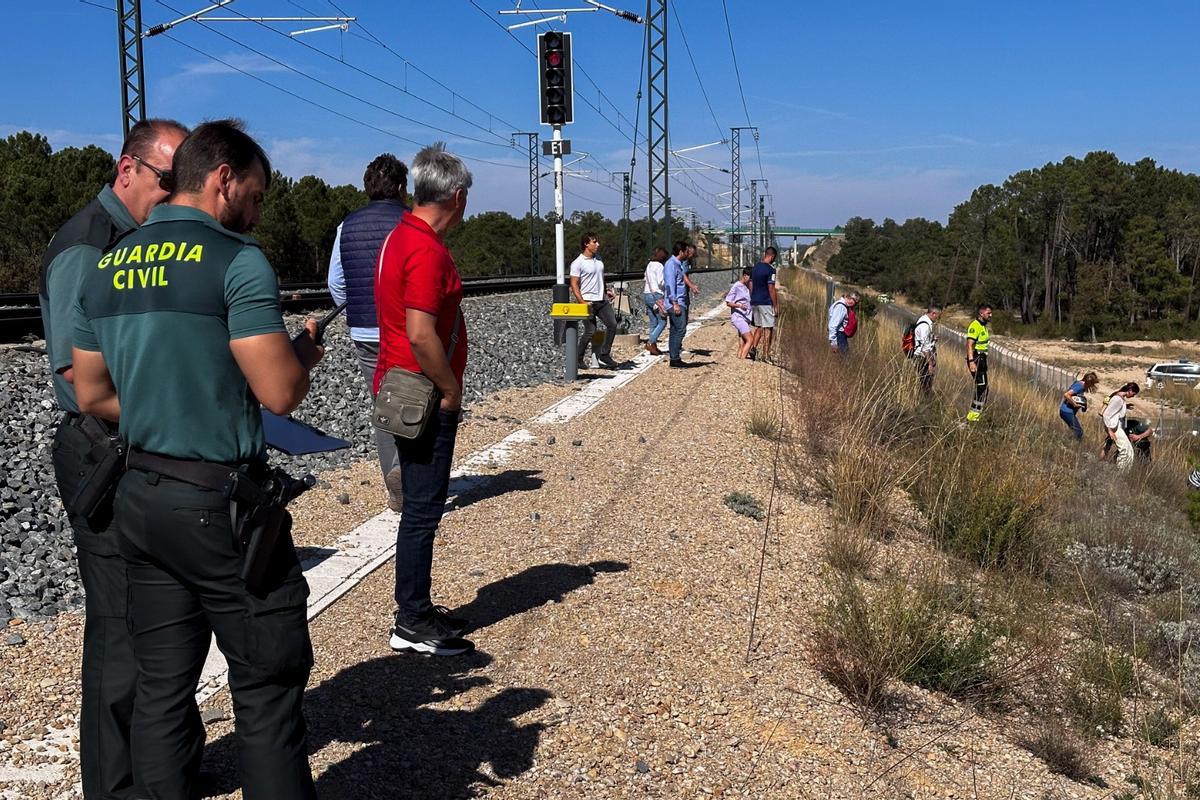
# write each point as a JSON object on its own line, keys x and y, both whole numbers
{"x": 1181, "y": 371}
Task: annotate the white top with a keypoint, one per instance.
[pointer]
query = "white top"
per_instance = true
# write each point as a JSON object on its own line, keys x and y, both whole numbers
{"x": 1114, "y": 413}
{"x": 590, "y": 272}
{"x": 923, "y": 343}
{"x": 654, "y": 278}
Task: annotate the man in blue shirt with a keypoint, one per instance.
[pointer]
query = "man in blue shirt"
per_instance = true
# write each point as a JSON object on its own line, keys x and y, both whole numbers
{"x": 763, "y": 302}
{"x": 675, "y": 289}
{"x": 356, "y": 249}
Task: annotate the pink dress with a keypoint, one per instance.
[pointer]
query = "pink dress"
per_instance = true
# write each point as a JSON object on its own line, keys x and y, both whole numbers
{"x": 739, "y": 294}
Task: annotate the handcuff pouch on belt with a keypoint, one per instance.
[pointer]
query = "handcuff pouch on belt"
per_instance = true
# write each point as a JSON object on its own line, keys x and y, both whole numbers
{"x": 101, "y": 469}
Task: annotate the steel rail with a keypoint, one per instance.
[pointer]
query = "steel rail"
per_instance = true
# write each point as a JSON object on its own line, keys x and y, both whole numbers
{"x": 21, "y": 319}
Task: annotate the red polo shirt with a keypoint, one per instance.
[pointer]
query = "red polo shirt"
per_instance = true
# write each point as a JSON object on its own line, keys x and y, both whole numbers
{"x": 416, "y": 271}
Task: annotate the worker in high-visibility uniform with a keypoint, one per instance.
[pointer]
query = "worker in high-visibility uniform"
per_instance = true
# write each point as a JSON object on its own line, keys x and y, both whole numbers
{"x": 977, "y": 358}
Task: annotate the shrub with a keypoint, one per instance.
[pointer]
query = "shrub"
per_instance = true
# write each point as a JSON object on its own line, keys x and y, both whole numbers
{"x": 908, "y": 628}
{"x": 764, "y": 424}
{"x": 744, "y": 504}
{"x": 863, "y": 644}
{"x": 957, "y": 663}
{"x": 849, "y": 551}
{"x": 986, "y": 506}
{"x": 1115, "y": 350}
{"x": 1063, "y": 753}
{"x": 1160, "y": 727}
{"x": 1103, "y": 677}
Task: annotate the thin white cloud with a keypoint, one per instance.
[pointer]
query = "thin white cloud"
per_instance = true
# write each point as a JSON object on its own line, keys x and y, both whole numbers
{"x": 862, "y": 151}
{"x": 62, "y": 137}
{"x": 812, "y": 110}
{"x": 235, "y": 64}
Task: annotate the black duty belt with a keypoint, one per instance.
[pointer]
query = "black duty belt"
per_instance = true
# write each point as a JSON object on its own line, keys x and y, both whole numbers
{"x": 237, "y": 482}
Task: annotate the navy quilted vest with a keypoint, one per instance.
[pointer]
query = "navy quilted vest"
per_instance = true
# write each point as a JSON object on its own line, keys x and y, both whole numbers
{"x": 363, "y": 233}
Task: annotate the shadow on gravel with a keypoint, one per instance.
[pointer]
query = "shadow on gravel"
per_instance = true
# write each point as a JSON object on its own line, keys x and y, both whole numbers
{"x": 404, "y": 748}
{"x": 475, "y": 488}
{"x": 529, "y": 589}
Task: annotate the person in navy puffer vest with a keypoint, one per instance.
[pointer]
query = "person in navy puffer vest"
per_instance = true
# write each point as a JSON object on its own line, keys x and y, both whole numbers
{"x": 356, "y": 249}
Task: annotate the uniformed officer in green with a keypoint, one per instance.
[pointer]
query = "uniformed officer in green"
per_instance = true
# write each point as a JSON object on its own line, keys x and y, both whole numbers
{"x": 108, "y": 673}
{"x": 977, "y": 358}
{"x": 179, "y": 335}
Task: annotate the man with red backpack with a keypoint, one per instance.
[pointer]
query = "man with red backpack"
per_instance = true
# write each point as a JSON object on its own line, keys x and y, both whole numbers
{"x": 843, "y": 323}
{"x": 920, "y": 344}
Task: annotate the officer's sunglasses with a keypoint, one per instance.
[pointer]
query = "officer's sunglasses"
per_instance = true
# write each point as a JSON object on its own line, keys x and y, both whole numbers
{"x": 166, "y": 177}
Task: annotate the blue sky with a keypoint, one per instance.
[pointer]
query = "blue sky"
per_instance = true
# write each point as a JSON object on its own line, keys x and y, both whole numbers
{"x": 869, "y": 108}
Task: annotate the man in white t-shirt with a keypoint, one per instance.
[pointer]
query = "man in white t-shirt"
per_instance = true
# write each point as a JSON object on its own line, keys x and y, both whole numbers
{"x": 587, "y": 286}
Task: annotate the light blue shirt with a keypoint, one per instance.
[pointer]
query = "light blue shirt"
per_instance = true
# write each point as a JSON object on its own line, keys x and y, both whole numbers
{"x": 337, "y": 289}
{"x": 837, "y": 318}
{"x": 676, "y": 289}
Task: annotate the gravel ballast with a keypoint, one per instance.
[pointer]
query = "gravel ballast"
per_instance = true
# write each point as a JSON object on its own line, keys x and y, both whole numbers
{"x": 510, "y": 346}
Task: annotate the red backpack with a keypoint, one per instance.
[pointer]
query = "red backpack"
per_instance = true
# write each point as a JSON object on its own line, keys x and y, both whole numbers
{"x": 850, "y": 326}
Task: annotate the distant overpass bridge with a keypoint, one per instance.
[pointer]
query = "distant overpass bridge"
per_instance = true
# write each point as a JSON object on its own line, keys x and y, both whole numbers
{"x": 789, "y": 231}
{"x": 793, "y": 232}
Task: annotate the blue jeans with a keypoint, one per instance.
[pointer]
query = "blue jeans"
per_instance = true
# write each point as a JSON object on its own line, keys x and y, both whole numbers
{"x": 425, "y": 476}
{"x": 657, "y": 323}
{"x": 1072, "y": 420}
{"x": 843, "y": 343}
{"x": 678, "y": 329}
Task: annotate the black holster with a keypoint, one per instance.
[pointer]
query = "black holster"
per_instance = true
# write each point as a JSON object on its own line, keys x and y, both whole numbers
{"x": 261, "y": 530}
{"x": 101, "y": 469}
{"x": 258, "y": 496}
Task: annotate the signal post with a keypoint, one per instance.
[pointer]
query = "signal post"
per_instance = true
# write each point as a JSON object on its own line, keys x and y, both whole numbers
{"x": 557, "y": 109}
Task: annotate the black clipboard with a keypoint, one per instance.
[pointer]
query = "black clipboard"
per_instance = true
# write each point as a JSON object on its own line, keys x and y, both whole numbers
{"x": 296, "y": 438}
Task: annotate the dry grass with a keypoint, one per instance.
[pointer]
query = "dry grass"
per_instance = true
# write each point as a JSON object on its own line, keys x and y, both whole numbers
{"x": 1063, "y": 549}
{"x": 849, "y": 551}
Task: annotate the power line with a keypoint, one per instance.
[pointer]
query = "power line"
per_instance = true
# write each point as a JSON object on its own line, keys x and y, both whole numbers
{"x": 504, "y": 143}
{"x": 371, "y": 37}
{"x": 691, "y": 58}
{"x": 319, "y": 105}
{"x": 741, "y": 91}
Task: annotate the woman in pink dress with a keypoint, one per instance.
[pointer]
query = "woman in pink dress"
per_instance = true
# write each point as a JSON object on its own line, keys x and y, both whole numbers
{"x": 738, "y": 300}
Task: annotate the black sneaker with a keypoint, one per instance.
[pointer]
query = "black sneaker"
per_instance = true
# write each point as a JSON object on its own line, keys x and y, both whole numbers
{"x": 678, "y": 363}
{"x": 428, "y": 635}
{"x": 608, "y": 361}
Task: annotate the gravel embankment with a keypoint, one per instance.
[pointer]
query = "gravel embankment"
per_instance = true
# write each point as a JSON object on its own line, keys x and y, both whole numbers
{"x": 510, "y": 346}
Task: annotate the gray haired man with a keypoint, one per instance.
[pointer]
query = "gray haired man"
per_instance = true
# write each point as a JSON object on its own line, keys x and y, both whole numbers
{"x": 421, "y": 329}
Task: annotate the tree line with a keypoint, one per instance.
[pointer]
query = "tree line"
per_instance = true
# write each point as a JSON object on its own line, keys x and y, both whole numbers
{"x": 41, "y": 188}
{"x": 1083, "y": 247}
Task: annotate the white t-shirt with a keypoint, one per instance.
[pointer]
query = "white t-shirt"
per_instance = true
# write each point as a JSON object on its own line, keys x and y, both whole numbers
{"x": 654, "y": 278}
{"x": 590, "y": 272}
{"x": 1114, "y": 413}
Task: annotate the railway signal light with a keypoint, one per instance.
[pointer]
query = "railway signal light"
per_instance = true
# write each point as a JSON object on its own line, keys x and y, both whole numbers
{"x": 554, "y": 78}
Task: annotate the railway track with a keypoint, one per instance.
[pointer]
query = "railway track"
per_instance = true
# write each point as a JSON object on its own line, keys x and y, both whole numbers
{"x": 21, "y": 320}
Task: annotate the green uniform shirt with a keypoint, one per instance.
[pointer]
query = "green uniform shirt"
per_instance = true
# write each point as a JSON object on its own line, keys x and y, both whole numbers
{"x": 979, "y": 332}
{"x": 162, "y": 306}
{"x": 79, "y": 243}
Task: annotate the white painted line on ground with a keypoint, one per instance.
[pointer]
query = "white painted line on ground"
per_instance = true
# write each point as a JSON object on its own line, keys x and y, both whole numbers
{"x": 590, "y": 396}
{"x": 373, "y": 543}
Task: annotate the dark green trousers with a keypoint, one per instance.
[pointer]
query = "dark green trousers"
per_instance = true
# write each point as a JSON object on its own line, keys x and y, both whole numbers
{"x": 109, "y": 673}
{"x": 182, "y": 559}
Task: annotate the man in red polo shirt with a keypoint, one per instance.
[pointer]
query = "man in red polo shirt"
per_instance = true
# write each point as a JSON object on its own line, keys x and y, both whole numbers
{"x": 421, "y": 329}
